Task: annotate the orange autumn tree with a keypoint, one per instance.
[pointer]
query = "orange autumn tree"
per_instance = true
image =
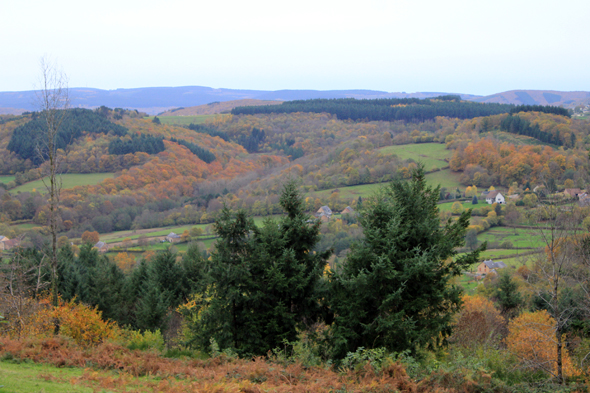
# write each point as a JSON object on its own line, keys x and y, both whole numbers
{"x": 478, "y": 323}
{"x": 531, "y": 338}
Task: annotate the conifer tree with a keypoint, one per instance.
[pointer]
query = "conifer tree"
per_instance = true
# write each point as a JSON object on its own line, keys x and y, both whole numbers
{"x": 395, "y": 290}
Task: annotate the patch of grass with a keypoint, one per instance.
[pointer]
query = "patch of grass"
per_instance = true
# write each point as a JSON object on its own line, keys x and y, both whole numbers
{"x": 432, "y": 155}
{"x": 69, "y": 180}
{"x": 31, "y": 377}
{"x": 446, "y": 178}
{"x": 6, "y": 179}
{"x": 183, "y": 120}
{"x": 26, "y": 226}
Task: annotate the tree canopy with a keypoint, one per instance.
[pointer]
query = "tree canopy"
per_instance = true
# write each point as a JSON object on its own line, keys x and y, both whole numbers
{"x": 395, "y": 288}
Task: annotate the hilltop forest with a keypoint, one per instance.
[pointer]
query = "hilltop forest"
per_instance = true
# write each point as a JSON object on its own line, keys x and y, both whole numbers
{"x": 256, "y": 275}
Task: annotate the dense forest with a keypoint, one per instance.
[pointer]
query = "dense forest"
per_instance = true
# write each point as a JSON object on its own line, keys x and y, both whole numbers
{"x": 406, "y": 109}
{"x": 137, "y": 143}
{"x": 25, "y": 138}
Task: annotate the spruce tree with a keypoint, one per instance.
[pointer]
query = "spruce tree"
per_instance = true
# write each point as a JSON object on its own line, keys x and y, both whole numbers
{"x": 395, "y": 289}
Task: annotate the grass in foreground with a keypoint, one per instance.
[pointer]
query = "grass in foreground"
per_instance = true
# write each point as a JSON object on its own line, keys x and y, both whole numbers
{"x": 32, "y": 377}
{"x": 69, "y": 180}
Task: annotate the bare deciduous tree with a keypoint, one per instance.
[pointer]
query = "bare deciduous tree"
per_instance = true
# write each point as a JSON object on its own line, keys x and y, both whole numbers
{"x": 555, "y": 270}
{"x": 52, "y": 102}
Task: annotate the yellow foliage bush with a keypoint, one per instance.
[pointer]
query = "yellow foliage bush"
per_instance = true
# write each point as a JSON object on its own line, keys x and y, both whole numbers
{"x": 531, "y": 338}
{"x": 80, "y": 322}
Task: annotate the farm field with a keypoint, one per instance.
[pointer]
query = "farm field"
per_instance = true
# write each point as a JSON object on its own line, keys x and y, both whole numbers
{"x": 432, "y": 155}
{"x": 445, "y": 178}
{"x": 70, "y": 180}
{"x": 118, "y": 236}
{"x": 6, "y": 179}
{"x": 519, "y": 237}
{"x": 446, "y": 207}
{"x": 183, "y": 120}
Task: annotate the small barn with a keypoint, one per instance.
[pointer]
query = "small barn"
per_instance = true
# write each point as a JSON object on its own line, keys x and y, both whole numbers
{"x": 173, "y": 237}
{"x": 348, "y": 210}
{"x": 488, "y": 266}
{"x": 101, "y": 246}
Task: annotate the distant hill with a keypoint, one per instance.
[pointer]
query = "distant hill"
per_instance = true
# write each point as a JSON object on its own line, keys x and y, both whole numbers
{"x": 539, "y": 97}
{"x": 216, "y": 107}
{"x": 154, "y": 100}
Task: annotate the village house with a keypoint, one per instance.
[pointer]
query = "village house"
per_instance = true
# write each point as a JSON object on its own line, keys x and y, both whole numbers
{"x": 101, "y": 246}
{"x": 324, "y": 211}
{"x": 572, "y": 192}
{"x": 173, "y": 237}
{"x": 6, "y": 243}
{"x": 495, "y": 197}
{"x": 489, "y": 266}
{"x": 348, "y": 210}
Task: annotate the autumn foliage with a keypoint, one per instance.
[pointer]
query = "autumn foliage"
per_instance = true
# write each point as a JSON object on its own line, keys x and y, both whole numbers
{"x": 479, "y": 322}
{"x": 531, "y": 338}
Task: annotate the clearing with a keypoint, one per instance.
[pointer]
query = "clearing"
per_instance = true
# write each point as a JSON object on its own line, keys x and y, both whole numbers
{"x": 69, "y": 180}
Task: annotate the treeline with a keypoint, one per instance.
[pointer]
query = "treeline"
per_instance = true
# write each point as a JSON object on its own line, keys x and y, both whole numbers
{"x": 138, "y": 143}
{"x": 263, "y": 285}
{"x": 28, "y": 137}
{"x": 520, "y": 126}
{"x": 406, "y": 109}
{"x": 140, "y": 300}
{"x": 197, "y": 150}
{"x": 556, "y": 110}
{"x": 202, "y": 129}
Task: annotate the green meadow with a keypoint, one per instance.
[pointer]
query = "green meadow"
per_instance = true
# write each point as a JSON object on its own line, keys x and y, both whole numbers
{"x": 69, "y": 180}
{"x": 6, "y": 179}
{"x": 183, "y": 120}
{"x": 432, "y": 155}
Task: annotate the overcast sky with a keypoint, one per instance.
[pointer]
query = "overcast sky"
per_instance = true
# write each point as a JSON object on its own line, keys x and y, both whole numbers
{"x": 468, "y": 46}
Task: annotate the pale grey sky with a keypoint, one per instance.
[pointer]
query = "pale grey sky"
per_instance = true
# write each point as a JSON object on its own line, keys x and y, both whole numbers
{"x": 466, "y": 46}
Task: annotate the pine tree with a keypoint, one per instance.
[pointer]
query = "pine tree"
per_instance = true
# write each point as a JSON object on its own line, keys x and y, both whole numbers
{"x": 395, "y": 288}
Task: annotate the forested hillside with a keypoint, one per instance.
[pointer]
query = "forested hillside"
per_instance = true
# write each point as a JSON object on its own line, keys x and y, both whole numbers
{"x": 406, "y": 109}
{"x": 320, "y": 241}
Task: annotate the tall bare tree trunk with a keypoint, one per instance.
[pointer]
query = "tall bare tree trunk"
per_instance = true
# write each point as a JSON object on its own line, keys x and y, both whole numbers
{"x": 53, "y": 101}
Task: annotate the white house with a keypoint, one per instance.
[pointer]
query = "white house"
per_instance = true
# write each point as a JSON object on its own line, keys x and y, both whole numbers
{"x": 495, "y": 197}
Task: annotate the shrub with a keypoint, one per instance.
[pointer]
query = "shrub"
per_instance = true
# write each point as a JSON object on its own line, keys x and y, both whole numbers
{"x": 135, "y": 339}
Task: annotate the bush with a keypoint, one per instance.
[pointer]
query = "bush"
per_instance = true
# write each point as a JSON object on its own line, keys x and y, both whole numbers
{"x": 134, "y": 339}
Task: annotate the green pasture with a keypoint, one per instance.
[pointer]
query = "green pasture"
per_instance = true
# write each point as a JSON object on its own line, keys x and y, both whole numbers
{"x": 27, "y": 226}
{"x": 6, "y": 179}
{"x": 446, "y": 207}
{"x": 446, "y": 178}
{"x": 31, "y": 377}
{"x": 119, "y": 236}
{"x": 69, "y": 180}
{"x": 183, "y": 120}
{"x": 432, "y": 155}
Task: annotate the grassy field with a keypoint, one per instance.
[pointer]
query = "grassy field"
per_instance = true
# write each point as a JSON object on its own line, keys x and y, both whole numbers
{"x": 519, "y": 237}
{"x": 69, "y": 180}
{"x": 6, "y": 179}
{"x": 183, "y": 120}
{"x": 432, "y": 155}
{"x": 445, "y": 178}
{"x": 446, "y": 207}
{"x": 31, "y": 377}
